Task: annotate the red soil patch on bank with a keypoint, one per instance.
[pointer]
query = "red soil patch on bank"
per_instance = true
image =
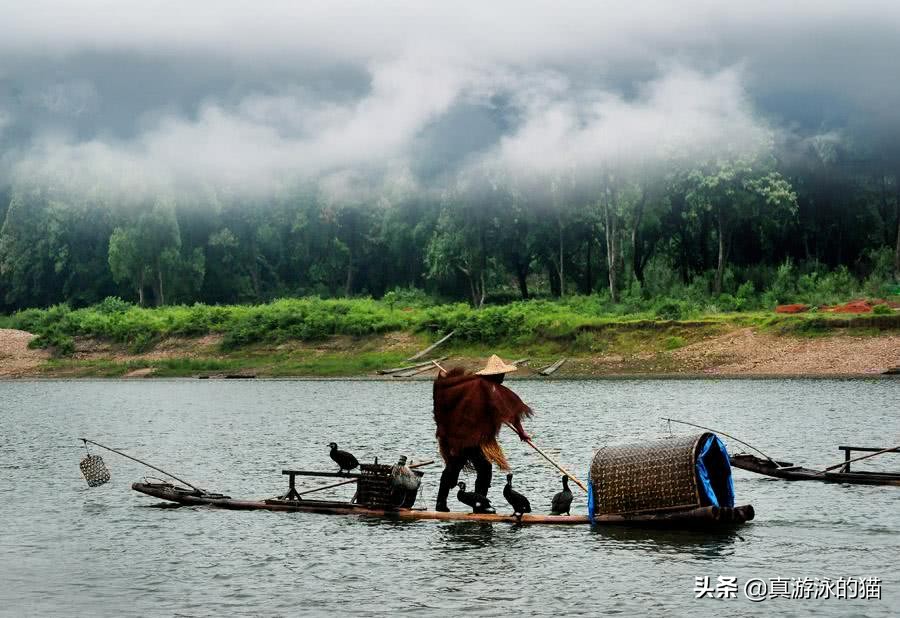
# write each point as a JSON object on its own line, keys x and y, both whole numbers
{"x": 796, "y": 308}
{"x": 859, "y": 305}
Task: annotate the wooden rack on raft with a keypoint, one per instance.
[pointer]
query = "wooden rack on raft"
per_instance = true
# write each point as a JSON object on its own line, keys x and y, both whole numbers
{"x": 351, "y": 477}
{"x": 293, "y": 494}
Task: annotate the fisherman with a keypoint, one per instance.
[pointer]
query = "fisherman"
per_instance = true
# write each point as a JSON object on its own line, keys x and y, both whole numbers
{"x": 469, "y": 410}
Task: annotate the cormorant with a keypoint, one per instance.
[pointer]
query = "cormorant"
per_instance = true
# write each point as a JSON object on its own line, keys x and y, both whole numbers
{"x": 403, "y": 477}
{"x": 345, "y": 460}
{"x": 516, "y": 500}
{"x": 479, "y": 503}
{"x": 563, "y": 500}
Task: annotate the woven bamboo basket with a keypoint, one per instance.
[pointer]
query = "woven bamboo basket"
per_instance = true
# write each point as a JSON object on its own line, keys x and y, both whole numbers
{"x": 376, "y": 487}
{"x": 647, "y": 476}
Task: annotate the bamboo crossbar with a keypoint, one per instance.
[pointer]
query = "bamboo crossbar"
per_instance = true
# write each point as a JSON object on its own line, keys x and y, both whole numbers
{"x": 343, "y": 475}
{"x": 353, "y": 480}
{"x": 861, "y": 457}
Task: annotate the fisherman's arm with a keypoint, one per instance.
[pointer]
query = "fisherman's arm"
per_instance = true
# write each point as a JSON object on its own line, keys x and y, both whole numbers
{"x": 517, "y": 426}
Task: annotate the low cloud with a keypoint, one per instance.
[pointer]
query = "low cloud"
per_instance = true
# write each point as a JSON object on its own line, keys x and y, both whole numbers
{"x": 350, "y": 93}
{"x": 265, "y": 140}
{"x": 683, "y": 113}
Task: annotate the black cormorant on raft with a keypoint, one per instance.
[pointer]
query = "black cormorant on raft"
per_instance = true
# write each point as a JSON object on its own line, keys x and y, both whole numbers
{"x": 476, "y": 501}
{"x": 520, "y": 503}
{"x": 345, "y": 460}
{"x": 562, "y": 501}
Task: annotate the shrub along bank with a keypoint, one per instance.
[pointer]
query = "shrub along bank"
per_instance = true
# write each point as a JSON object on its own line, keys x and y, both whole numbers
{"x": 314, "y": 319}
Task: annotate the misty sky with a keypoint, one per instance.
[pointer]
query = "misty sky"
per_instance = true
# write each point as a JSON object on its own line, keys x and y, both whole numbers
{"x": 250, "y": 94}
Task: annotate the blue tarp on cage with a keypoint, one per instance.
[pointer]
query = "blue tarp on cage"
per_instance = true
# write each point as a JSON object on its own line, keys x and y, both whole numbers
{"x": 714, "y": 472}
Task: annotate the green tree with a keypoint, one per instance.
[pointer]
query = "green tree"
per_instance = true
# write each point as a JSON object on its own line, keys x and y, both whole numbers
{"x": 53, "y": 248}
{"x": 225, "y": 280}
{"x": 464, "y": 239}
{"x": 141, "y": 254}
{"x": 614, "y": 200}
{"x": 30, "y": 264}
{"x": 518, "y": 242}
{"x": 184, "y": 272}
{"x": 125, "y": 260}
{"x": 736, "y": 189}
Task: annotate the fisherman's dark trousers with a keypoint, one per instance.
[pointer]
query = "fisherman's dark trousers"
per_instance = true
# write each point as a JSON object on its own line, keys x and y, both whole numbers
{"x": 450, "y": 476}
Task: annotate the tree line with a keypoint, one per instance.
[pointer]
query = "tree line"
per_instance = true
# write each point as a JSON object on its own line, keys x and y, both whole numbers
{"x": 718, "y": 224}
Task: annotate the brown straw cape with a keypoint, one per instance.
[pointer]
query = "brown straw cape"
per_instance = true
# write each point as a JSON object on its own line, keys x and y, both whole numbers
{"x": 495, "y": 365}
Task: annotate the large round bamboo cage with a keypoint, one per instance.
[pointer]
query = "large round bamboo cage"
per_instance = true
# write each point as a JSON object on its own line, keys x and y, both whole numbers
{"x": 680, "y": 472}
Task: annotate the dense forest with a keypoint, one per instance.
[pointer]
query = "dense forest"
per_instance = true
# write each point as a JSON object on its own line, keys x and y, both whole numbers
{"x": 726, "y": 226}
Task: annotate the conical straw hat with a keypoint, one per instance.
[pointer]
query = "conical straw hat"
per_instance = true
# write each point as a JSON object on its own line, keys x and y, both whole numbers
{"x": 495, "y": 365}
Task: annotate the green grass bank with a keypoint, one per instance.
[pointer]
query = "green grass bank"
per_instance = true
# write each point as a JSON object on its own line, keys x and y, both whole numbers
{"x": 323, "y": 337}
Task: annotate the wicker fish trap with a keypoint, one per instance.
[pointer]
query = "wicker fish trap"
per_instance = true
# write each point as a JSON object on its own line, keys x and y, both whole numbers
{"x": 374, "y": 486}
{"x": 647, "y": 476}
{"x": 94, "y": 470}
{"x": 377, "y": 487}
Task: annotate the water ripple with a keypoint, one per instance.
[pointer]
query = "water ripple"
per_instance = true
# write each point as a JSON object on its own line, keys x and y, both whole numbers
{"x": 68, "y": 550}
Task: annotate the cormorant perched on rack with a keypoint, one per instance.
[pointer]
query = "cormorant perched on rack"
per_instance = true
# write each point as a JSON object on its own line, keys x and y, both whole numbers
{"x": 563, "y": 500}
{"x": 345, "y": 460}
{"x": 516, "y": 500}
{"x": 479, "y": 503}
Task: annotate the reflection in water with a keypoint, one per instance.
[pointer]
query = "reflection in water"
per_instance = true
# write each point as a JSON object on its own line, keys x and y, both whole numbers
{"x": 388, "y": 523}
{"x": 161, "y": 505}
{"x": 465, "y": 535}
{"x": 697, "y": 543}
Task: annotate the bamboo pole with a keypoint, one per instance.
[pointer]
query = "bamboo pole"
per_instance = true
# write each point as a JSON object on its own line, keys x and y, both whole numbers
{"x": 554, "y": 463}
{"x": 414, "y": 372}
{"x": 407, "y": 368}
{"x": 848, "y": 461}
{"x": 85, "y": 440}
{"x": 675, "y": 420}
{"x": 419, "y": 355}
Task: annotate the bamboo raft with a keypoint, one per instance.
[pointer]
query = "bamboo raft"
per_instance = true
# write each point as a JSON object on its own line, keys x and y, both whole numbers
{"x": 700, "y": 517}
{"x": 647, "y": 484}
{"x": 789, "y": 472}
{"x": 168, "y": 492}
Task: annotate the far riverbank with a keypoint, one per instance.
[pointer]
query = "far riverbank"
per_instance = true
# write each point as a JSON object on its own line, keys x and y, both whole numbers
{"x": 666, "y": 350}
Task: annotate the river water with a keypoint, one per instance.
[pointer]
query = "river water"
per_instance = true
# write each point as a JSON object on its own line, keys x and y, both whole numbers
{"x": 74, "y": 551}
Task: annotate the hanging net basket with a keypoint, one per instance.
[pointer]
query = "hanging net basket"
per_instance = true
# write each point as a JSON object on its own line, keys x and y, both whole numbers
{"x": 94, "y": 470}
